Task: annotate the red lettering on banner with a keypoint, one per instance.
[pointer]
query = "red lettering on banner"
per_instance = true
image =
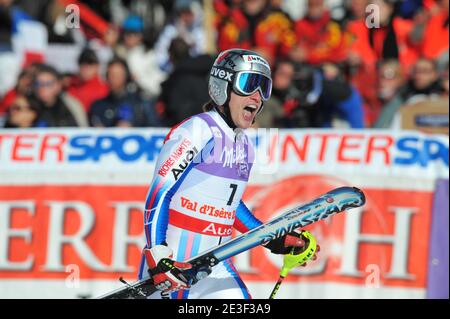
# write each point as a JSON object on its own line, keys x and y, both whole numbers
{"x": 273, "y": 147}
{"x": 300, "y": 151}
{"x": 56, "y": 147}
{"x": 20, "y": 144}
{"x": 384, "y": 149}
{"x": 17, "y": 216}
{"x": 367, "y": 237}
{"x": 344, "y": 144}
{"x": 323, "y": 144}
{"x": 111, "y": 239}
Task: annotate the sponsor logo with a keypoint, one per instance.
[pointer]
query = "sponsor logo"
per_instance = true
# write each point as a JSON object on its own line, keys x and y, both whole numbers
{"x": 371, "y": 150}
{"x": 230, "y": 156}
{"x": 206, "y": 209}
{"x": 432, "y": 120}
{"x": 102, "y": 252}
{"x": 127, "y": 148}
{"x": 301, "y": 218}
{"x": 230, "y": 62}
{"x": 188, "y": 157}
{"x": 168, "y": 163}
{"x": 198, "y": 224}
{"x": 235, "y": 156}
{"x": 255, "y": 59}
{"x": 188, "y": 204}
{"x": 222, "y": 74}
{"x": 217, "y": 230}
{"x": 213, "y": 211}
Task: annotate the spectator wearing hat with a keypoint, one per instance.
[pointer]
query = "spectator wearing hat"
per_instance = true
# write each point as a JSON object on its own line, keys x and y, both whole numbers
{"x": 132, "y": 35}
{"x": 88, "y": 86}
{"x": 23, "y": 87}
{"x": 141, "y": 60}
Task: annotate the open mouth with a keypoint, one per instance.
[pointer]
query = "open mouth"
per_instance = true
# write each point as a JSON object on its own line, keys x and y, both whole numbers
{"x": 249, "y": 111}
{"x": 251, "y": 108}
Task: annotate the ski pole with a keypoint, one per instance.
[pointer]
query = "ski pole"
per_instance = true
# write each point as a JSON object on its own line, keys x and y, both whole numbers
{"x": 297, "y": 257}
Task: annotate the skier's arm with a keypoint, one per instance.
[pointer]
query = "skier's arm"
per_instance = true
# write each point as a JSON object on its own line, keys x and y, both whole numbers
{"x": 245, "y": 220}
{"x": 181, "y": 151}
{"x": 179, "y": 154}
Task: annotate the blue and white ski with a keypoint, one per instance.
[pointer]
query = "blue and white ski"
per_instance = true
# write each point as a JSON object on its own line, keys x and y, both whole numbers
{"x": 329, "y": 204}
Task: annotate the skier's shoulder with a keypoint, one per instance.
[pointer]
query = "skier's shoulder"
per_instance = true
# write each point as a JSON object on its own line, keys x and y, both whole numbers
{"x": 195, "y": 128}
{"x": 220, "y": 128}
{"x": 198, "y": 121}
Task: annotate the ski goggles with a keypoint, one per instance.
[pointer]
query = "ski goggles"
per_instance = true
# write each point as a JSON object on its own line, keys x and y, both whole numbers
{"x": 247, "y": 83}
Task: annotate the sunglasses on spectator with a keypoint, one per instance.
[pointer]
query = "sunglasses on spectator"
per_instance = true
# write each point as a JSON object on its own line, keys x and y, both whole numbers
{"x": 423, "y": 70}
{"x": 17, "y": 108}
{"x": 389, "y": 74}
{"x": 40, "y": 84}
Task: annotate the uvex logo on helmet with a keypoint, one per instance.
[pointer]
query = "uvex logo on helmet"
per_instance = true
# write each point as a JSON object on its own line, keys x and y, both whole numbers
{"x": 222, "y": 74}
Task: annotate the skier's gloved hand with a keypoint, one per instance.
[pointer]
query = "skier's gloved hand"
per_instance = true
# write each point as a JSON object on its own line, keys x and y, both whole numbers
{"x": 286, "y": 243}
{"x": 166, "y": 273}
{"x": 197, "y": 273}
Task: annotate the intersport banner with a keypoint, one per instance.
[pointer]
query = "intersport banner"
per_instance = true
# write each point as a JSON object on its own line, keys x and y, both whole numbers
{"x": 71, "y": 220}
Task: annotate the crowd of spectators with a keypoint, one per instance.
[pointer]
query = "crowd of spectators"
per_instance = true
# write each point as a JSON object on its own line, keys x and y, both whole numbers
{"x": 131, "y": 63}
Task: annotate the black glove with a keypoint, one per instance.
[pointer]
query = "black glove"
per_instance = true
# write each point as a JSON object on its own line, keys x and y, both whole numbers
{"x": 195, "y": 274}
{"x": 283, "y": 245}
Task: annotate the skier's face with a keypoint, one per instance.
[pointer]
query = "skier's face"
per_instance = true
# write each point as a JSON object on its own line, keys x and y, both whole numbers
{"x": 243, "y": 109}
